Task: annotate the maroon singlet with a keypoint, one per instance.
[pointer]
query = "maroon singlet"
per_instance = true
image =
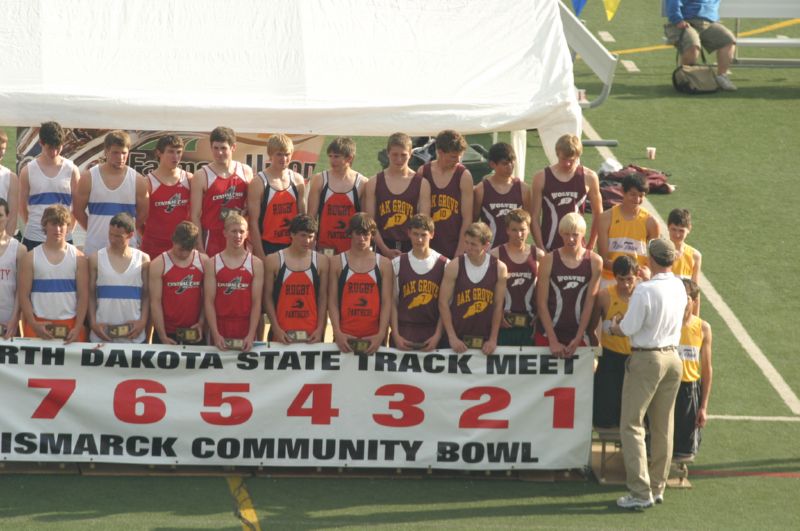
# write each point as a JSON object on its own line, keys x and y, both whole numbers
{"x": 520, "y": 282}
{"x": 392, "y": 211}
{"x": 418, "y": 300}
{"x": 473, "y": 302}
{"x": 558, "y": 200}
{"x": 446, "y": 211}
{"x": 568, "y": 295}
{"x": 495, "y": 206}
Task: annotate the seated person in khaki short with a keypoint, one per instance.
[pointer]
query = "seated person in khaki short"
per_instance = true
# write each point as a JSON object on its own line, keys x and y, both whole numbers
{"x": 695, "y": 23}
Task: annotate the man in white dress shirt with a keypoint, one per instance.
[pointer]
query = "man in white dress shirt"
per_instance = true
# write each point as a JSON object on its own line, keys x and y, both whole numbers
{"x": 653, "y": 375}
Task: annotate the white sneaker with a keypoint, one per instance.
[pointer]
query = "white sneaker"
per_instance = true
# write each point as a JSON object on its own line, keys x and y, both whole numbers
{"x": 630, "y": 501}
{"x": 725, "y": 83}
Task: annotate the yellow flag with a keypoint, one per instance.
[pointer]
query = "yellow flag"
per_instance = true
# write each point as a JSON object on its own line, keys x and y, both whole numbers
{"x": 611, "y": 8}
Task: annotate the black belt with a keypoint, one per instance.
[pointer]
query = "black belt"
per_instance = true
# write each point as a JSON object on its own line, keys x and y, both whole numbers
{"x": 654, "y": 349}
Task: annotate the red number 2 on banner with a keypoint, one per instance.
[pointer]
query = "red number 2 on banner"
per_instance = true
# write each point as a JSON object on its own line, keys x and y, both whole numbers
{"x": 126, "y": 401}
{"x": 410, "y": 414}
{"x": 499, "y": 399}
{"x": 321, "y": 410}
{"x": 241, "y": 408}
{"x": 60, "y": 391}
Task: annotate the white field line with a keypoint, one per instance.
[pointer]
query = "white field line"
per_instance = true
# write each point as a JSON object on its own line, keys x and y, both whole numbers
{"x": 754, "y": 419}
{"x": 712, "y": 296}
{"x": 606, "y": 36}
{"x": 630, "y": 66}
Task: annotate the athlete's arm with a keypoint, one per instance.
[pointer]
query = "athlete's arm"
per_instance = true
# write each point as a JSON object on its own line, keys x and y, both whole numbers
{"x": 706, "y": 375}
{"x": 466, "y": 209}
{"x": 315, "y": 188}
{"x": 526, "y": 197}
{"x": 322, "y": 299}
{"x": 81, "y": 199}
{"x": 424, "y": 202}
{"x": 333, "y": 304}
{"x": 271, "y": 265}
{"x": 96, "y": 327}
{"x": 301, "y": 192}
{"x": 603, "y": 226}
{"x": 595, "y": 199}
{"x": 197, "y": 187}
{"x": 497, "y": 313}
{"x": 14, "y": 204}
{"x": 13, "y": 323}
{"x": 387, "y": 302}
{"x": 599, "y": 310}
{"x": 477, "y": 201}
{"x": 255, "y": 194}
{"x": 537, "y": 189}
{"x": 139, "y": 325}
{"x": 542, "y": 295}
{"x": 142, "y": 204}
{"x": 209, "y": 297}
{"x": 445, "y": 295}
{"x": 156, "y": 310}
{"x": 255, "y": 302}
{"x": 24, "y": 193}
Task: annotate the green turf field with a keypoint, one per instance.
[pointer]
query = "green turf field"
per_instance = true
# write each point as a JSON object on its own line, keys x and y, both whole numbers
{"x": 733, "y": 157}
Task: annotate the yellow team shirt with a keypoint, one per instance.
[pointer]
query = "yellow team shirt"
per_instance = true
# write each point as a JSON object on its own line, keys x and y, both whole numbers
{"x": 684, "y": 265}
{"x": 616, "y": 306}
{"x": 627, "y": 237}
{"x": 689, "y": 348}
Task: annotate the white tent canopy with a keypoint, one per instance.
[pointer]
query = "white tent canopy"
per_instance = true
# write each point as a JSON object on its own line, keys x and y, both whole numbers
{"x": 358, "y": 67}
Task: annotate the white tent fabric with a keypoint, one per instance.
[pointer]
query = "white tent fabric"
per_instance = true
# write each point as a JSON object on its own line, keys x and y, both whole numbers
{"x": 358, "y": 67}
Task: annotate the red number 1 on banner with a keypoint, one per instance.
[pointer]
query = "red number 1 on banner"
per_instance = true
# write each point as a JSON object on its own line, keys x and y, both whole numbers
{"x": 563, "y": 407}
{"x": 60, "y": 391}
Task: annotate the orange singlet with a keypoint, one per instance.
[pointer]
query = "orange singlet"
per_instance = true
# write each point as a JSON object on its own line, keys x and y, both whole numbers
{"x": 278, "y": 208}
{"x": 359, "y": 300}
{"x": 295, "y": 296}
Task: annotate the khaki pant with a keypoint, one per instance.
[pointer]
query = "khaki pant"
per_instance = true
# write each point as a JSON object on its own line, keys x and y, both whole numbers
{"x": 651, "y": 383}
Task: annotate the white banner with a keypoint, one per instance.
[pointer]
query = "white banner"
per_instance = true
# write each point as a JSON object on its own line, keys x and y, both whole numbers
{"x": 300, "y": 406}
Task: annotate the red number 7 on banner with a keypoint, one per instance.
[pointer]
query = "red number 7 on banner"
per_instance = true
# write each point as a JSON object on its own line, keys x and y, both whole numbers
{"x": 60, "y": 391}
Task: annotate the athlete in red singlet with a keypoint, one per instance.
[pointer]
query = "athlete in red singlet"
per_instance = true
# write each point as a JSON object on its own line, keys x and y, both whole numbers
{"x": 169, "y": 194}
{"x": 233, "y": 286}
{"x": 393, "y": 196}
{"x": 218, "y": 189}
{"x": 295, "y": 287}
{"x": 335, "y": 195}
{"x": 560, "y": 189}
{"x": 451, "y": 193}
{"x": 569, "y": 278}
{"x": 499, "y": 193}
{"x": 472, "y": 294}
{"x": 274, "y": 199}
{"x": 176, "y": 288}
{"x": 360, "y": 289}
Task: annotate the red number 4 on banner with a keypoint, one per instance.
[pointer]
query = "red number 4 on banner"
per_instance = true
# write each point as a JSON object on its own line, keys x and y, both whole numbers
{"x": 321, "y": 410}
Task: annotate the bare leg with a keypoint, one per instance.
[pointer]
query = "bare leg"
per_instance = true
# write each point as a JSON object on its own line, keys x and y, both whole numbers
{"x": 725, "y": 58}
{"x": 690, "y": 55}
